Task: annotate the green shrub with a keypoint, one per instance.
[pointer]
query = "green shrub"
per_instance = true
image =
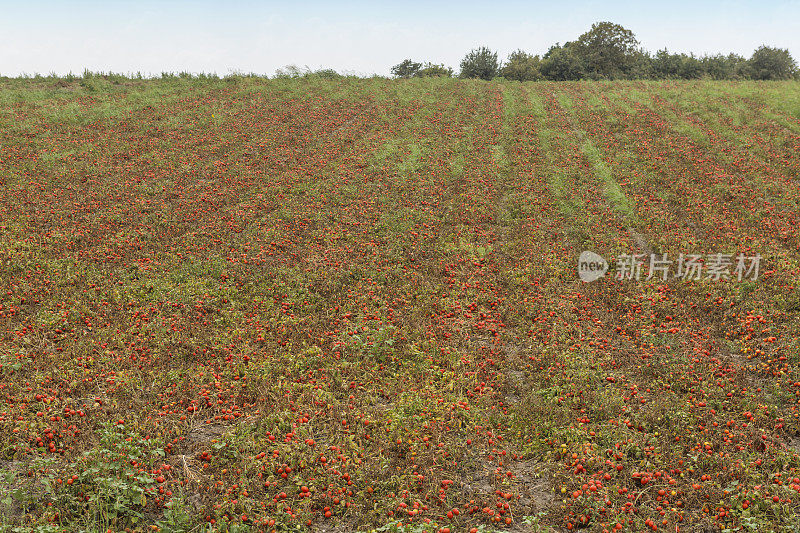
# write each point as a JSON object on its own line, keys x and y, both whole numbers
{"x": 521, "y": 66}
{"x": 106, "y": 489}
{"x": 769, "y": 63}
{"x": 480, "y": 63}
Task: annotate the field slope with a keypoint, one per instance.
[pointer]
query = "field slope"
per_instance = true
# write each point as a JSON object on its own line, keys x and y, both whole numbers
{"x": 315, "y": 305}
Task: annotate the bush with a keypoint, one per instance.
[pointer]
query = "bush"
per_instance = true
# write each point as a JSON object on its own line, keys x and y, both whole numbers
{"x": 328, "y": 74}
{"x": 641, "y": 67}
{"x": 107, "y": 488}
{"x": 560, "y": 63}
{"x": 480, "y": 63}
{"x": 677, "y": 66}
{"x": 429, "y": 70}
{"x": 721, "y": 67}
{"x": 666, "y": 65}
{"x": 291, "y": 71}
{"x": 406, "y": 69}
{"x": 690, "y": 67}
{"x": 769, "y": 63}
{"x": 521, "y": 66}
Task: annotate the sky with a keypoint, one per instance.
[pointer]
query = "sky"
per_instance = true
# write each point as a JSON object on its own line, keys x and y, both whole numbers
{"x": 356, "y": 37}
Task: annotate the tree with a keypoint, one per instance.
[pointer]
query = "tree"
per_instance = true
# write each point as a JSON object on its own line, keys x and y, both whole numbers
{"x": 769, "y": 63}
{"x": 721, "y": 67}
{"x": 292, "y": 71}
{"x": 690, "y": 67}
{"x": 328, "y": 74}
{"x": 666, "y": 65}
{"x": 406, "y": 69}
{"x": 521, "y": 66}
{"x": 560, "y": 63}
{"x": 608, "y": 50}
{"x": 429, "y": 70}
{"x": 480, "y": 63}
{"x": 641, "y": 67}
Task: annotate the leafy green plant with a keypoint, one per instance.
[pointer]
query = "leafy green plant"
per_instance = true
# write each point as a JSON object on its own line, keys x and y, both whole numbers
{"x": 378, "y": 345}
{"x": 176, "y": 517}
{"x": 535, "y": 522}
{"x": 480, "y": 63}
{"x": 112, "y": 487}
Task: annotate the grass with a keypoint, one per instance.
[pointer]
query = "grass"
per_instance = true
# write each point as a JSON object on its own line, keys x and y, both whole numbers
{"x": 611, "y": 189}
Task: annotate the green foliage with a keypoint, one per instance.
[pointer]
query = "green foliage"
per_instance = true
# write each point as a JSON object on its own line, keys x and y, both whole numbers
{"x": 411, "y": 69}
{"x": 480, "y": 63}
{"x": 611, "y": 51}
{"x": 375, "y": 344}
{"x": 177, "y": 519}
{"x": 431, "y": 70}
{"x": 666, "y": 65}
{"x": 608, "y": 50}
{"x": 676, "y": 66}
{"x": 521, "y": 66}
{"x": 690, "y": 67}
{"x": 562, "y": 64}
{"x": 291, "y": 71}
{"x": 769, "y": 63}
{"x": 722, "y": 67}
{"x": 641, "y": 66}
{"x": 611, "y": 188}
{"x": 406, "y": 69}
{"x": 24, "y": 492}
{"x": 108, "y": 488}
{"x": 534, "y": 522}
{"x": 328, "y": 74}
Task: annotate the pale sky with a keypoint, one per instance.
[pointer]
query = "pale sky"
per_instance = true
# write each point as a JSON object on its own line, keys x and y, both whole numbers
{"x": 359, "y": 37}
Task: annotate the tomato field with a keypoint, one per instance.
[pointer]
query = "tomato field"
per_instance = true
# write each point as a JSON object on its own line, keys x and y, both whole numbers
{"x": 353, "y": 305}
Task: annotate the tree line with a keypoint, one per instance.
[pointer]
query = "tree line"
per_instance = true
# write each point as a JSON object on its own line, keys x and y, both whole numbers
{"x": 609, "y": 51}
